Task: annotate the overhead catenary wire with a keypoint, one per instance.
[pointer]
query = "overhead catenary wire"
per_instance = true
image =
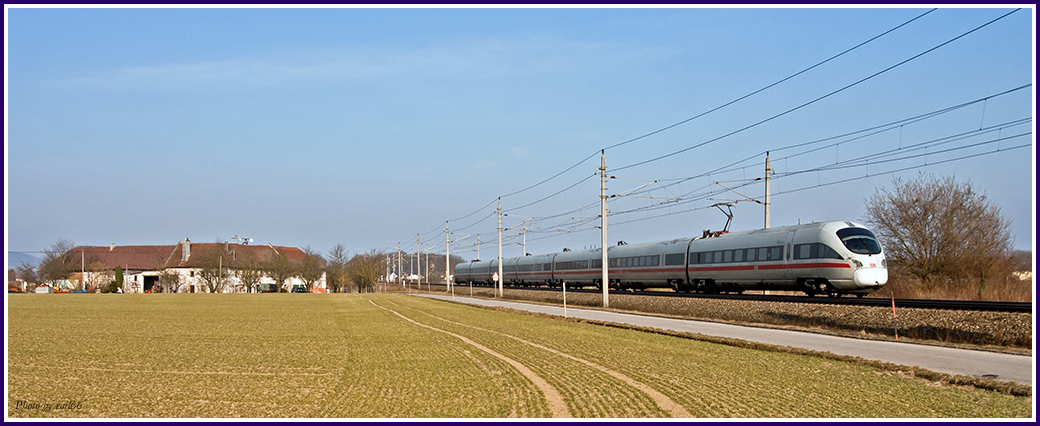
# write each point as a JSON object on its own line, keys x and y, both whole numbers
{"x": 862, "y": 133}
{"x": 873, "y": 130}
{"x": 803, "y": 105}
{"x": 907, "y": 152}
{"x": 770, "y": 85}
{"x": 671, "y": 126}
{"x": 758, "y": 123}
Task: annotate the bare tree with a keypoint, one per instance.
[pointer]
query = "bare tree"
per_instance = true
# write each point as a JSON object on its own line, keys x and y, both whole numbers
{"x": 279, "y": 268}
{"x": 311, "y": 268}
{"x": 28, "y": 273}
{"x": 364, "y": 270}
{"x": 249, "y": 270}
{"x": 336, "y": 269}
{"x": 55, "y": 265}
{"x": 97, "y": 275}
{"x": 938, "y": 229}
{"x": 213, "y": 268}
{"x": 170, "y": 280}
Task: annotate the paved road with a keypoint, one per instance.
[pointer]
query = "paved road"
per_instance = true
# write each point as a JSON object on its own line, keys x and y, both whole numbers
{"x": 1012, "y": 368}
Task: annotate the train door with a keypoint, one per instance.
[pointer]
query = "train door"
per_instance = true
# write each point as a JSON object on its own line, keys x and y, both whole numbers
{"x": 789, "y": 274}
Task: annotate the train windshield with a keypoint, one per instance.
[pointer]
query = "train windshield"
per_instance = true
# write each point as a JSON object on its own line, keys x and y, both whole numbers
{"x": 859, "y": 240}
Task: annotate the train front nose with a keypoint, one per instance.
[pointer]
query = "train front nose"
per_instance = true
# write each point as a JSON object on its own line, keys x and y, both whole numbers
{"x": 871, "y": 277}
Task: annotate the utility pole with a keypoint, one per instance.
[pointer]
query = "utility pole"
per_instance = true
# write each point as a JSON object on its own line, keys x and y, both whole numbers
{"x": 524, "y": 244}
{"x": 605, "y": 279}
{"x": 447, "y": 259}
{"x": 500, "y": 277}
{"x": 418, "y": 262}
{"x": 399, "y": 280}
{"x": 478, "y": 246}
{"x": 769, "y": 171}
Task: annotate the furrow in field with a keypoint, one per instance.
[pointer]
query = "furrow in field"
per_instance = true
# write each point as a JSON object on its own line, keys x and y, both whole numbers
{"x": 552, "y": 396}
{"x": 662, "y": 400}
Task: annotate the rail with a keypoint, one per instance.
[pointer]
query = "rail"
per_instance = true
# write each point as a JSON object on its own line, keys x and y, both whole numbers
{"x": 962, "y": 305}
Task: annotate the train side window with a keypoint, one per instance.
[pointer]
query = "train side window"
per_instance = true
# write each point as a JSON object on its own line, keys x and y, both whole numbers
{"x": 717, "y": 257}
{"x": 673, "y": 259}
{"x": 655, "y": 260}
{"x": 727, "y": 256}
{"x": 803, "y": 251}
{"x": 828, "y": 253}
{"x": 775, "y": 253}
{"x": 751, "y": 255}
{"x": 738, "y": 256}
{"x": 762, "y": 254}
{"x": 706, "y": 257}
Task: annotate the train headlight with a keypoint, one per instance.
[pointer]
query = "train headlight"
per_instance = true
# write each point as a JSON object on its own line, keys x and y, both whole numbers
{"x": 884, "y": 263}
{"x": 858, "y": 263}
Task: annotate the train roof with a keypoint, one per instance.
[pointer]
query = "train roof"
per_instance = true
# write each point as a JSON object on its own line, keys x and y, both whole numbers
{"x": 778, "y": 229}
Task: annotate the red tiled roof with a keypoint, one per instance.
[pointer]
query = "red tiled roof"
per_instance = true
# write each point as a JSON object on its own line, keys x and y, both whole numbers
{"x": 128, "y": 257}
{"x": 157, "y": 257}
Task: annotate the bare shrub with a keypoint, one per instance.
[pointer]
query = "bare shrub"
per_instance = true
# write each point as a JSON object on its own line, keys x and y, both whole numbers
{"x": 944, "y": 234}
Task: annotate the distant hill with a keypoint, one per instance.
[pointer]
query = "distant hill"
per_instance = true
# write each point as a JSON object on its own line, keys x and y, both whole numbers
{"x": 14, "y": 259}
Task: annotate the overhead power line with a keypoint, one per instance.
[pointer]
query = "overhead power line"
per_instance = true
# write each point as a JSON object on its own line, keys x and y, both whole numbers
{"x": 755, "y": 92}
{"x": 771, "y": 85}
{"x": 730, "y": 103}
{"x": 832, "y": 93}
{"x": 855, "y": 135}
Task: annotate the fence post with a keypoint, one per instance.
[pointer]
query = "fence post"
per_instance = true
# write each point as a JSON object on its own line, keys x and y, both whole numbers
{"x": 894, "y": 323}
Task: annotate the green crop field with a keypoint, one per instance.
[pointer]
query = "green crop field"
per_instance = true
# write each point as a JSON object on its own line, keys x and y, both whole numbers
{"x": 378, "y": 356}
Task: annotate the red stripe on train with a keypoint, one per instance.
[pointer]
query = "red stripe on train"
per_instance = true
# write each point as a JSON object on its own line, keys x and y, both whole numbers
{"x": 806, "y": 266}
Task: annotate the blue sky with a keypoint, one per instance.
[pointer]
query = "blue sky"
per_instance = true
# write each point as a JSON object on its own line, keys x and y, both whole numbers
{"x": 312, "y": 127}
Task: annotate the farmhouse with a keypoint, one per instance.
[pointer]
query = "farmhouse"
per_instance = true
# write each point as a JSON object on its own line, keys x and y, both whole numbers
{"x": 188, "y": 267}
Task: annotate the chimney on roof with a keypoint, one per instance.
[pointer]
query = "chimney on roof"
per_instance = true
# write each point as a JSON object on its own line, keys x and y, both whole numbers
{"x": 111, "y": 246}
{"x": 185, "y": 250}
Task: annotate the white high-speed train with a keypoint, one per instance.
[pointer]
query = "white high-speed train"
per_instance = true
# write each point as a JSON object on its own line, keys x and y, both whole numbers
{"x": 832, "y": 258}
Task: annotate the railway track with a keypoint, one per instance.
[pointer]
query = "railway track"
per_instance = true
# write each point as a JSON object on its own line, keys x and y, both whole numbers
{"x": 963, "y": 305}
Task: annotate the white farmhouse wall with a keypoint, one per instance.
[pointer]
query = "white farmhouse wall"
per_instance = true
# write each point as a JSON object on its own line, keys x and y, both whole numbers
{"x": 190, "y": 280}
